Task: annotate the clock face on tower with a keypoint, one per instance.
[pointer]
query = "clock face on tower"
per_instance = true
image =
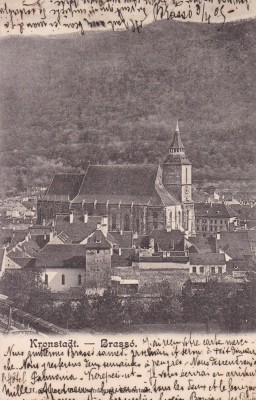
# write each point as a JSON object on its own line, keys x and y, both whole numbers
{"x": 187, "y": 192}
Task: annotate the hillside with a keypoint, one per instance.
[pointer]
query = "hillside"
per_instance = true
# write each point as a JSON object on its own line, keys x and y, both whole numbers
{"x": 115, "y": 97}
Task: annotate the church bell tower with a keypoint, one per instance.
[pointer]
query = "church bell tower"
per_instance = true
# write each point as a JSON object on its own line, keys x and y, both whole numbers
{"x": 177, "y": 179}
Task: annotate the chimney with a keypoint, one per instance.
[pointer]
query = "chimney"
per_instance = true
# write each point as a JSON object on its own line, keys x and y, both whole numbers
{"x": 43, "y": 222}
{"x": 45, "y": 237}
{"x": 71, "y": 217}
{"x": 135, "y": 235}
{"x": 119, "y": 251}
{"x": 121, "y": 232}
{"x": 218, "y": 236}
{"x": 104, "y": 225}
{"x": 27, "y": 237}
{"x": 85, "y": 217}
{"x": 98, "y": 226}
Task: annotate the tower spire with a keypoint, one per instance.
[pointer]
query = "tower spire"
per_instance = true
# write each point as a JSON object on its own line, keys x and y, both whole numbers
{"x": 177, "y": 126}
{"x": 177, "y": 145}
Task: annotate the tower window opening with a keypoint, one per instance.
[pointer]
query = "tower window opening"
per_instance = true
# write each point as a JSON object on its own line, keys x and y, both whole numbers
{"x": 113, "y": 222}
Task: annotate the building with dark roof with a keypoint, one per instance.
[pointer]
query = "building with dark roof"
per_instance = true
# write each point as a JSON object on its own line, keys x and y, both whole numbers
{"x": 238, "y": 245}
{"x": 136, "y": 198}
{"x": 207, "y": 264}
{"x": 77, "y": 266}
{"x": 211, "y": 218}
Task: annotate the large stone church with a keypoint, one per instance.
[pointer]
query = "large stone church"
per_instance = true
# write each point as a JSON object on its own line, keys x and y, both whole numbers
{"x": 135, "y": 198}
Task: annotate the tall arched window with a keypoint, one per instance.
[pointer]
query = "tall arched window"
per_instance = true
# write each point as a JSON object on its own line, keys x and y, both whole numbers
{"x": 63, "y": 279}
{"x": 137, "y": 225}
{"x": 113, "y": 222}
{"x": 79, "y": 279}
{"x": 51, "y": 213}
{"x": 46, "y": 279}
{"x": 127, "y": 222}
{"x": 179, "y": 218}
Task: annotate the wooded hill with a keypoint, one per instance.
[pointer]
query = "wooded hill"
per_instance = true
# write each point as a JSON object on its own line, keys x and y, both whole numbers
{"x": 114, "y": 97}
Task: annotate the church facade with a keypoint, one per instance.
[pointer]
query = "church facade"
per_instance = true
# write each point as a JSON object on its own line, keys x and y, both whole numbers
{"x": 136, "y": 198}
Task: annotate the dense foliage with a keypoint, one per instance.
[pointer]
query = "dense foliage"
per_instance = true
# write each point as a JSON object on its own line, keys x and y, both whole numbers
{"x": 232, "y": 308}
{"x": 114, "y": 98}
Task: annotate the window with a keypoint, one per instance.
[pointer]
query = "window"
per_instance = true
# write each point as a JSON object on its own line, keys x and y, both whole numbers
{"x": 211, "y": 221}
{"x": 137, "y": 225}
{"x": 127, "y": 222}
{"x": 221, "y": 221}
{"x": 155, "y": 224}
{"x": 46, "y": 279}
{"x": 194, "y": 270}
{"x": 186, "y": 175}
{"x": 220, "y": 270}
{"x": 216, "y": 221}
{"x": 201, "y": 270}
{"x": 79, "y": 279}
{"x": 63, "y": 279}
{"x": 155, "y": 215}
{"x": 113, "y": 222}
{"x": 179, "y": 218}
{"x": 212, "y": 270}
{"x": 98, "y": 251}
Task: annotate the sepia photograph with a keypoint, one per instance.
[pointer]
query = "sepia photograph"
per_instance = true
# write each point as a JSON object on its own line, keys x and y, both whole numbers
{"x": 128, "y": 192}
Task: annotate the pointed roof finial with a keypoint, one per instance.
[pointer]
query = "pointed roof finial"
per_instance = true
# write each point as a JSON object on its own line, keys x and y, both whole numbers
{"x": 177, "y": 145}
{"x": 177, "y": 126}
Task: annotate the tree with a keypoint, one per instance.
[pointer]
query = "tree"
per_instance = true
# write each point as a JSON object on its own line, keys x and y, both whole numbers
{"x": 107, "y": 311}
{"x": 167, "y": 308}
{"x": 26, "y": 289}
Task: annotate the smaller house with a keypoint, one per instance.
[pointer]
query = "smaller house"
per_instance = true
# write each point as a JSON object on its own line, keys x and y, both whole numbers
{"x": 75, "y": 265}
{"x": 207, "y": 264}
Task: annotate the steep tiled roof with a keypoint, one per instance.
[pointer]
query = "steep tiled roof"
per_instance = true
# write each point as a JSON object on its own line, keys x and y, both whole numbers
{"x": 207, "y": 259}
{"x": 97, "y": 241}
{"x": 25, "y": 262}
{"x": 78, "y": 230}
{"x": 237, "y": 240}
{"x": 167, "y": 240}
{"x": 232, "y": 252}
{"x": 215, "y": 210}
{"x": 123, "y": 240}
{"x": 62, "y": 255}
{"x": 65, "y": 185}
{"x": 30, "y": 247}
{"x": 203, "y": 244}
{"x": 122, "y": 183}
{"x": 177, "y": 158}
